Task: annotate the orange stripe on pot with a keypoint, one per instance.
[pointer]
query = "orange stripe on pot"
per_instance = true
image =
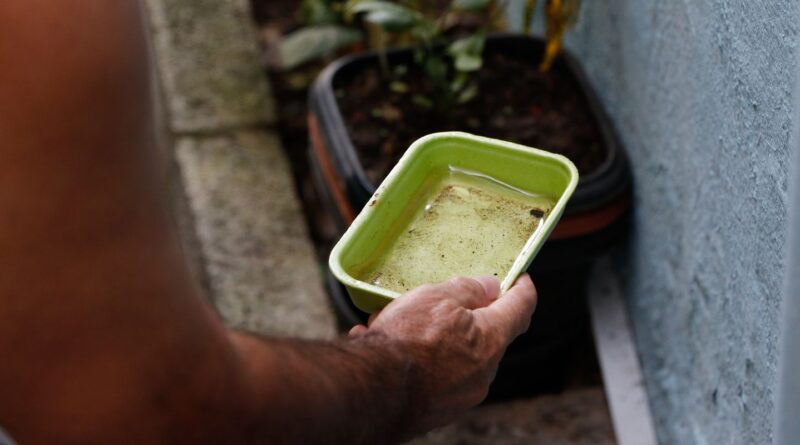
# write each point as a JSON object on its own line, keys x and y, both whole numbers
{"x": 328, "y": 172}
{"x": 585, "y": 223}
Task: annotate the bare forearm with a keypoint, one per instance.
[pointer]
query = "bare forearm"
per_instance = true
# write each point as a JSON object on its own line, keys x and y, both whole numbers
{"x": 349, "y": 391}
{"x": 105, "y": 338}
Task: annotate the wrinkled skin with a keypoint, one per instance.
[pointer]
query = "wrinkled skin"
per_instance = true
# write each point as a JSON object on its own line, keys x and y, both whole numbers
{"x": 456, "y": 332}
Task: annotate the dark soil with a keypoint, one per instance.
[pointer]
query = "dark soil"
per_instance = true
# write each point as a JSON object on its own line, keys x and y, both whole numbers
{"x": 516, "y": 102}
{"x": 280, "y": 13}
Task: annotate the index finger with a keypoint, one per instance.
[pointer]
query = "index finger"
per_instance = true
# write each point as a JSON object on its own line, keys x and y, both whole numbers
{"x": 471, "y": 293}
{"x": 512, "y": 312}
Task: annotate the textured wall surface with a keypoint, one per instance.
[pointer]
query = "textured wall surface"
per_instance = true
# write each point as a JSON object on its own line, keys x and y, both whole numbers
{"x": 701, "y": 94}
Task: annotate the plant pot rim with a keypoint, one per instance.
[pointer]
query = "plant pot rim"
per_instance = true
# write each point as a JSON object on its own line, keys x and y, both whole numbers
{"x": 597, "y": 188}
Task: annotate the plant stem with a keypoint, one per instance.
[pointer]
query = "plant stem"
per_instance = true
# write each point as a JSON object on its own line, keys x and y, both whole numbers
{"x": 530, "y": 13}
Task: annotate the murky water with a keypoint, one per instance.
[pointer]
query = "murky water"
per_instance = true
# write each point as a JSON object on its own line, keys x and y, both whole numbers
{"x": 470, "y": 225}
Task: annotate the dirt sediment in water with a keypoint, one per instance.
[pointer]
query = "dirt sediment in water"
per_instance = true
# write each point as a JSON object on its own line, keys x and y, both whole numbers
{"x": 469, "y": 227}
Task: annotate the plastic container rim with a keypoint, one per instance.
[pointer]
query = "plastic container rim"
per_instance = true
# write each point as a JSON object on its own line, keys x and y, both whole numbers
{"x": 522, "y": 261}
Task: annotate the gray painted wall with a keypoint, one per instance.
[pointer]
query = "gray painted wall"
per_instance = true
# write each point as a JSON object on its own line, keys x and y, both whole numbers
{"x": 787, "y": 427}
{"x": 701, "y": 94}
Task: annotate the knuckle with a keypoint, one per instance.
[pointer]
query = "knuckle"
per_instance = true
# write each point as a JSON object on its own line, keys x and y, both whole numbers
{"x": 426, "y": 292}
{"x": 464, "y": 284}
{"x": 425, "y": 289}
{"x": 445, "y": 307}
{"x": 430, "y": 342}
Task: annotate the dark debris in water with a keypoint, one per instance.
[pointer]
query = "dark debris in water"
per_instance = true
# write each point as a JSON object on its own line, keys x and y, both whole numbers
{"x": 537, "y": 213}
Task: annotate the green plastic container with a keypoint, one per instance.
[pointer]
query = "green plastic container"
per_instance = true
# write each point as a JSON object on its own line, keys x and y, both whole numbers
{"x": 426, "y": 163}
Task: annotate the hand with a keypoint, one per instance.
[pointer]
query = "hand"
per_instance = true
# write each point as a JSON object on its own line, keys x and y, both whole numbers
{"x": 454, "y": 334}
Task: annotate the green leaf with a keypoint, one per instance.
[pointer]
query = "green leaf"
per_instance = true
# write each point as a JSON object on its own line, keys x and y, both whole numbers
{"x": 435, "y": 68}
{"x": 419, "y": 55}
{"x": 468, "y": 63}
{"x": 530, "y": 12}
{"x": 467, "y": 53}
{"x": 389, "y": 16}
{"x": 399, "y": 87}
{"x": 468, "y": 94}
{"x": 389, "y": 21}
{"x": 307, "y": 44}
{"x": 470, "y": 5}
{"x": 472, "y": 45}
{"x": 424, "y": 30}
{"x": 318, "y": 12}
{"x": 459, "y": 46}
{"x": 422, "y": 101}
{"x": 348, "y": 12}
{"x": 400, "y": 70}
{"x": 459, "y": 82}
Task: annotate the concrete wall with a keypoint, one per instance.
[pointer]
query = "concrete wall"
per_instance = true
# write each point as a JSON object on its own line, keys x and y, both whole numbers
{"x": 701, "y": 94}
{"x": 787, "y": 428}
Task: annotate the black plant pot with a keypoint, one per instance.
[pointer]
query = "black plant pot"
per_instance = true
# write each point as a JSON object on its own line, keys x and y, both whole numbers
{"x": 596, "y": 218}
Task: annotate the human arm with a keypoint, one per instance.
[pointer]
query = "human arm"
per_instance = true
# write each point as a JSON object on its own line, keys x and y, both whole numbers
{"x": 104, "y": 336}
{"x": 425, "y": 358}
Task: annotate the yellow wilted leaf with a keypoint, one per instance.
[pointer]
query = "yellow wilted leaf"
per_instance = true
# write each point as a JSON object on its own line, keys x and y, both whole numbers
{"x": 560, "y": 14}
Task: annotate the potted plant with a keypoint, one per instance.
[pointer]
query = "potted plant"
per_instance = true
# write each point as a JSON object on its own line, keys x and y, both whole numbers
{"x": 366, "y": 109}
{"x": 298, "y": 40}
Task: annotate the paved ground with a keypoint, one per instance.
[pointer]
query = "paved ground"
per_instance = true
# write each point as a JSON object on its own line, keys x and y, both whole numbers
{"x": 575, "y": 417}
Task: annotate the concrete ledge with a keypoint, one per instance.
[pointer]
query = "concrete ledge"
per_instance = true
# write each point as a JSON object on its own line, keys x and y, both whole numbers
{"x": 616, "y": 351}
{"x": 241, "y": 222}
{"x": 209, "y": 64}
{"x": 259, "y": 260}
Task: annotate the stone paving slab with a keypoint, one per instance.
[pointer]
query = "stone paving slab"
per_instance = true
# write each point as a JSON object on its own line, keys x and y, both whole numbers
{"x": 259, "y": 260}
{"x": 209, "y": 63}
{"x": 572, "y": 418}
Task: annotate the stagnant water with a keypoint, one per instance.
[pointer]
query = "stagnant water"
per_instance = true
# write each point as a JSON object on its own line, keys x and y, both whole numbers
{"x": 470, "y": 225}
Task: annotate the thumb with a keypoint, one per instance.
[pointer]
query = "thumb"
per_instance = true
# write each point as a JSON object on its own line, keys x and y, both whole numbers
{"x": 473, "y": 293}
{"x": 512, "y": 312}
